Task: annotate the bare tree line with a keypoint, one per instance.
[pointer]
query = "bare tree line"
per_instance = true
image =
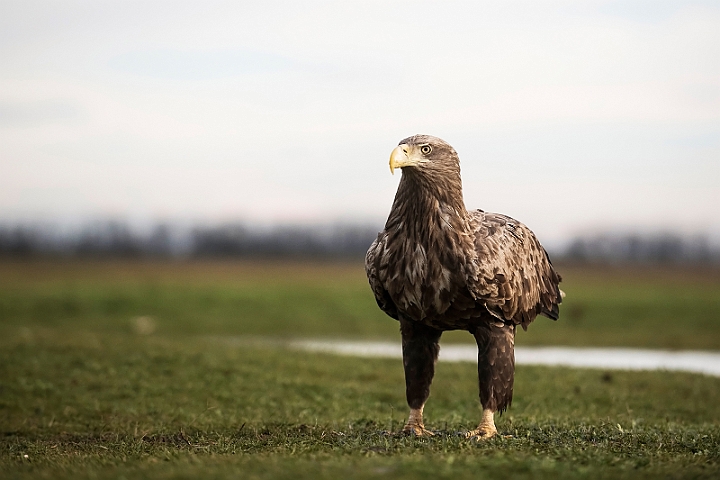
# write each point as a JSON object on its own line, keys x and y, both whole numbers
{"x": 660, "y": 248}
{"x": 117, "y": 239}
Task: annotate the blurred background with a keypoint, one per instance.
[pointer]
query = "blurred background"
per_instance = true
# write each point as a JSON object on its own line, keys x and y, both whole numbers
{"x": 187, "y": 127}
{"x": 183, "y": 167}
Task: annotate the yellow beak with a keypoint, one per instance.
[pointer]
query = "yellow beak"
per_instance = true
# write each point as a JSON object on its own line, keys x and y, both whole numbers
{"x": 398, "y": 158}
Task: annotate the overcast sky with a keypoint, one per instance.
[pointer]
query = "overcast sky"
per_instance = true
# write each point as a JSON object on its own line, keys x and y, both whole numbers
{"x": 567, "y": 115}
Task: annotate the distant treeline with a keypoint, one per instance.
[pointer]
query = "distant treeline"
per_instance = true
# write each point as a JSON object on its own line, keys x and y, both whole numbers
{"x": 663, "y": 248}
{"x": 117, "y": 239}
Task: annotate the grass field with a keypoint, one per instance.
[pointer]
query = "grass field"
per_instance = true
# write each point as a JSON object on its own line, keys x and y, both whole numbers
{"x": 651, "y": 307}
{"x": 86, "y": 393}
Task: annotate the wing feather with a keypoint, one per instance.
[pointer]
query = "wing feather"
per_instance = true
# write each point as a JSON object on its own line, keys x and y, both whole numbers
{"x": 516, "y": 279}
{"x": 376, "y": 261}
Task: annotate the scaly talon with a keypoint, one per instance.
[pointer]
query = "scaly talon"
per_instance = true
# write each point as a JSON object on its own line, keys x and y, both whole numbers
{"x": 481, "y": 433}
{"x": 486, "y": 429}
{"x": 417, "y": 430}
{"x": 415, "y": 425}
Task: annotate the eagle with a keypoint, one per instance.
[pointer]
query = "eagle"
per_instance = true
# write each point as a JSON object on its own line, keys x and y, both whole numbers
{"x": 437, "y": 266}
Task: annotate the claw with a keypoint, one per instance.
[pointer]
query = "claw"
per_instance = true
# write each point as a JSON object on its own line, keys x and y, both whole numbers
{"x": 481, "y": 433}
{"x": 486, "y": 429}
{"x": 415, "y": 425}
{"x": 417, "y": 430}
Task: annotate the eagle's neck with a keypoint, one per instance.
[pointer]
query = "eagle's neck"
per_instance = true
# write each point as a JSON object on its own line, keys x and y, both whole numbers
{"x": 427, "y": 205}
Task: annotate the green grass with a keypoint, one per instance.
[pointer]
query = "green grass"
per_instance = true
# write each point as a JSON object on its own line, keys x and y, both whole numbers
{"x": 652, "y": 308}
{"x": 82, "y": 396}
{"x": 115, "y": 405}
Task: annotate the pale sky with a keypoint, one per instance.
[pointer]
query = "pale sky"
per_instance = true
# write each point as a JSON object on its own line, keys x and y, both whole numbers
{"x": 567, "y": 115}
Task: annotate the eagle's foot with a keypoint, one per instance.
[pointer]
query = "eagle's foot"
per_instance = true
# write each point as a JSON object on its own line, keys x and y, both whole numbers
{"x": 486, "y": 429}
{"x": 415, "y": 425}
{"x": 416, "y": 430}
{"x": 481, "y": 433}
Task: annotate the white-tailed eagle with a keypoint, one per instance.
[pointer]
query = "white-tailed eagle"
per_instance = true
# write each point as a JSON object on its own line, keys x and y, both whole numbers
{"x": 437, "y": 266}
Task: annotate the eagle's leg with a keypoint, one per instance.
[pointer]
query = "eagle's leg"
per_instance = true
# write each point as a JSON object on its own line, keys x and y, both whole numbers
{"x": 496, "y": 373}
{"x": 420, "y": 351}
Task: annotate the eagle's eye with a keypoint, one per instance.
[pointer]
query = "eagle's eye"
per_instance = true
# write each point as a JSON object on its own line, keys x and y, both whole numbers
{"x": 426, "y": 149}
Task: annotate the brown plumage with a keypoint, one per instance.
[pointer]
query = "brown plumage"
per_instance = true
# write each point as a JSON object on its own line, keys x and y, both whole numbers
{"x": 437, "y": 266}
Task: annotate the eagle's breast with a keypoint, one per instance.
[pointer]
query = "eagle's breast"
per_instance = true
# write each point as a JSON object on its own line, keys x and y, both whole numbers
{"x": 426, "y": 265}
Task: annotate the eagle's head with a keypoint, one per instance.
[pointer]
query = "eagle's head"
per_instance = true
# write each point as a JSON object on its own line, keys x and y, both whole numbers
{"x": 431, "y": 170}
{"x": 425, "y": 153}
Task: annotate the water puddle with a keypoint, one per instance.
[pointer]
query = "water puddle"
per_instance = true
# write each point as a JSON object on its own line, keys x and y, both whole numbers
{"x": 604, "y": 358}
